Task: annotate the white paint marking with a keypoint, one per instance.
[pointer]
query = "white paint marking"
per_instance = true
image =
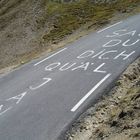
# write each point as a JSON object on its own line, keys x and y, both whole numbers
{"x": 5, "y": 111}
{"x": 109, "y": 27}
{"x": 125, "y": 43}
{"x": 50, "y": 57}
{"x": 18, "y": 97}
{"x": 89, "y": 93}
{"x": 110, "y": 44}
{"x": 52, "y": 66}
{"x": 125, "y": 55}
{"x": 116, "y": 33}
{"x": 98, "y": 68}
{"x": 46, "y": 81}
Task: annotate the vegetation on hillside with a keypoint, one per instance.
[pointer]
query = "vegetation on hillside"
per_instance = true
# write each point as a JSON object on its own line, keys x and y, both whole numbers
{"x": 29, "y": 28}
{"x": 67, "y": 17}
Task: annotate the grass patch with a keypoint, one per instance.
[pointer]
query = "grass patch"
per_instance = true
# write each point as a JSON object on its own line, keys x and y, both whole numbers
{"x": 67, "y": 17}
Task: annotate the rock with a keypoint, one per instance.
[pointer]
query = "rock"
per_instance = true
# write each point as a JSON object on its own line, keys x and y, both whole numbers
{"x": 114, "y": 123}
{"x": 122, "y": 114}
{"x": 138, "y": 125}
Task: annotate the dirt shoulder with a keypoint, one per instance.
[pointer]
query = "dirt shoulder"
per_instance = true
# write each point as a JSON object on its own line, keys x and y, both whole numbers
{"x": 117, "y": 115}
{"x": 30, "y": 29}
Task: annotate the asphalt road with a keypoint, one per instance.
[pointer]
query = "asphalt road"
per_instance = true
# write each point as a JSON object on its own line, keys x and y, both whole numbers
{"x": 40, "y": 100}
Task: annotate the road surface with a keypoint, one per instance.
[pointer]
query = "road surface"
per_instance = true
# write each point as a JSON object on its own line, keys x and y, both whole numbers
{"x": 40, "y": 100}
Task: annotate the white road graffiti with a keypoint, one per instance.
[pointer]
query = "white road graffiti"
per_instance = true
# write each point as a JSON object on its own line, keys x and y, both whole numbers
{"x": 103, "y": 54}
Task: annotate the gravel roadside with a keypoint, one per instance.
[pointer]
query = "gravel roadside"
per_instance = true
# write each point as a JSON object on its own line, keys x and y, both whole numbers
{"x": 117, "y": 115}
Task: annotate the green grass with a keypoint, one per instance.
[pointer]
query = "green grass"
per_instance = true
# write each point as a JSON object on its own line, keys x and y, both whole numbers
{"x": 67, "y": 17}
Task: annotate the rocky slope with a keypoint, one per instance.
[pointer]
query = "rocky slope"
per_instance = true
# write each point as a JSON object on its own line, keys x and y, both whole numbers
{"x": 116, "y": 116}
